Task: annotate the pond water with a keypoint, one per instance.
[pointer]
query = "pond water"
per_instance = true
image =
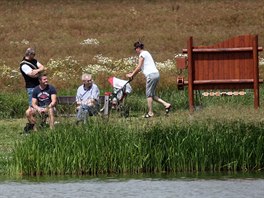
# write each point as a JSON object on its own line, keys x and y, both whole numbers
{"x": 183, "y": 186}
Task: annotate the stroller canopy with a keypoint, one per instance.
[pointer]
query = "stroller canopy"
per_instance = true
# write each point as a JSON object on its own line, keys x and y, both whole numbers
{"x": 119, "y": 84}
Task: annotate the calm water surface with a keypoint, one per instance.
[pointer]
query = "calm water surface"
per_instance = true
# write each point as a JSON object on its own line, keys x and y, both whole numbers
{"x": 205, "y": 186}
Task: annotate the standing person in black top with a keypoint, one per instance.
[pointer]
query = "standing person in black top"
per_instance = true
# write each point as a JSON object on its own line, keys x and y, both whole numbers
{"x": 30, "y": 69}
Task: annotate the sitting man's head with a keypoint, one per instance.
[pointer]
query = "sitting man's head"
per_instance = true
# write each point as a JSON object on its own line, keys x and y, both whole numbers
{"x": 43, "y": 80}
{"x": 87, "y": 80}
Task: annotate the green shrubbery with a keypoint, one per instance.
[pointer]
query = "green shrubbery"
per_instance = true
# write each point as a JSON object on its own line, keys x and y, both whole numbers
{"x": 13, "y": 105}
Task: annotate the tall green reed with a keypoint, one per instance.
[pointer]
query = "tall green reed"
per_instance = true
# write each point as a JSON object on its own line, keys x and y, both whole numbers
{"x": 123, "y": 147}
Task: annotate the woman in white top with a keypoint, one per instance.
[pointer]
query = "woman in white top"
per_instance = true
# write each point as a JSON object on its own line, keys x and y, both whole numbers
{"x": 147, "y": 65}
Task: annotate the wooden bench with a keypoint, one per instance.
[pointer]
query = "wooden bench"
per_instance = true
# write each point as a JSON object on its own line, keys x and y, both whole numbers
{"x": 231, "y": 64}
{"x": 69, "y": 105}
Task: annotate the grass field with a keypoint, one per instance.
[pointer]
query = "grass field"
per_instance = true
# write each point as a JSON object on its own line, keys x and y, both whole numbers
{"x": 84, "y": 29}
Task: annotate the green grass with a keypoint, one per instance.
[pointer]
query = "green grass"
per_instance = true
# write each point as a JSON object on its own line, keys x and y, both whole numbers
{"x": 13, "y": 105}
{"x": 226, "y": 134}
{"x": 10, "y": 130}
{"x": 136, "y": 146}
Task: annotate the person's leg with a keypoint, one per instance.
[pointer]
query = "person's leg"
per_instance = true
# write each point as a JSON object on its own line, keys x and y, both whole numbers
{"x": 31, "y": 120}
{"x": 151, "y": 83}
{"x": 79, "y": 113}
{"x": 82, "y": 113}
{"x": 29, "y": 114}
{"x": 51, "y": 118}
{"x": 150, "y": 106}
{"x": 159, "y": 100}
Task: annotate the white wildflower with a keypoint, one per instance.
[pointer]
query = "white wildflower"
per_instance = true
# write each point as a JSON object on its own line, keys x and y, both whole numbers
{"x": 133, "y": 11}
{"x": 102, "y": 59}
{"x": 166, "y": 65}
{"x": 90, "y": 41}
{"x": 261, "y": 61}
{"x": 24, "y": 41}
{"x": 180, "y": 55}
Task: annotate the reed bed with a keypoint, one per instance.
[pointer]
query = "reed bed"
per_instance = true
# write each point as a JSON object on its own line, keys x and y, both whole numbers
{"x": 152, "y": 146}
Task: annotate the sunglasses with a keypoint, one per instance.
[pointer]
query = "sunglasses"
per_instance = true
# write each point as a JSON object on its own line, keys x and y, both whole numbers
{"x": 87, "y": 80}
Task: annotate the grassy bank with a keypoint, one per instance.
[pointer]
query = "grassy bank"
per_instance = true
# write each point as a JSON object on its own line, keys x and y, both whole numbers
{"x": 214, "y": 138}
{"x": 136, "y": 146}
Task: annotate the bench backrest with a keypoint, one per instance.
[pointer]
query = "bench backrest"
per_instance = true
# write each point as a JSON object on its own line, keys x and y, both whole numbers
{"x": 66, "y": 100}
{"x": 70, "y": 104}
{"x": 70, "y": 100}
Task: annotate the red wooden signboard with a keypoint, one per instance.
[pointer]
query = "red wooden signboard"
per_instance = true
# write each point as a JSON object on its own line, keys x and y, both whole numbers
{"x": 232, "y": 64}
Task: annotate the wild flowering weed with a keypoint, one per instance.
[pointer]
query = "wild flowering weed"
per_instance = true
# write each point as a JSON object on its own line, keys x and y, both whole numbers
{"x": 94, "y": 69}
{"x": 121, "y": 66}
{"x": 133, "y": 11}
{"x": 166, "y": 65}
{"x": 23, "y": 42}
{"x": 7, "y": 72}
{"x": 68, "y": 62}
{"x": 64, "y": 69}
{"x": 261, "y": 61}
{"x": 103, "y": 59}
{"x": 90, "y": 41}
{"x": 108, "y": 65}
{"x": 180, "y": 55}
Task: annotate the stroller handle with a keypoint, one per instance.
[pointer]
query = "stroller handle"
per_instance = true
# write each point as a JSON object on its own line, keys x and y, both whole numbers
{"x": 129, "y": 80}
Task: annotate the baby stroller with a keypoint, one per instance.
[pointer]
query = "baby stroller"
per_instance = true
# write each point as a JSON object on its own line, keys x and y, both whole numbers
{"x": 117, "y": 97}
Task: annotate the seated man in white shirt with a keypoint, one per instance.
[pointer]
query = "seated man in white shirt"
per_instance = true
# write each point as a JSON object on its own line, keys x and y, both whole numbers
{"x": 87, "y": 98}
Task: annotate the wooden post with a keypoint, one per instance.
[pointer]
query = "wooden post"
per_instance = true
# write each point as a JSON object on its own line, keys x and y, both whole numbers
{"x": 256, "y": 72}
{"x": 190, "y": 74}
{"x": 106, "y": 105}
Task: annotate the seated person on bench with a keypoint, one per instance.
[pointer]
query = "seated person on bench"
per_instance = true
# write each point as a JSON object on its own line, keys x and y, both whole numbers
{"x": 44, "y": 99}
{"x": 87, "y": 98}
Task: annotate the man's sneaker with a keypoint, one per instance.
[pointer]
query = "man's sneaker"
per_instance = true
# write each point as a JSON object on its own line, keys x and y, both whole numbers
{"x": 29, "y": 127}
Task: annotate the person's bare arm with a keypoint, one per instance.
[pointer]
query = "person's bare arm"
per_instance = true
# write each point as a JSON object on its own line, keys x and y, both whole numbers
{"x": 53, "y": 101}
{"x": 35, "y": 104}
{"x": 35, "y": 72}
{"x": 137, "y": 69}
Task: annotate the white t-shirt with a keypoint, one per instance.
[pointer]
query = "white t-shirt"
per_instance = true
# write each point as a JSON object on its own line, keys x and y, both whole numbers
{"x": 148, "y": 66}
{"x": 26, "y": 69}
